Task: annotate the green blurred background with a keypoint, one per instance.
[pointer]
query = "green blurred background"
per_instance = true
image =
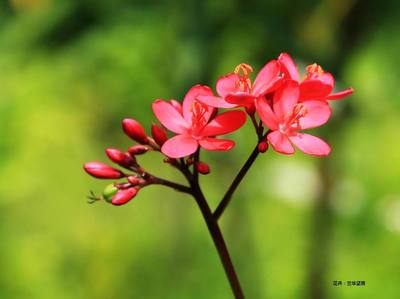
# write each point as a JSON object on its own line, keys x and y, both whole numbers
{"x": 71, "y": 70}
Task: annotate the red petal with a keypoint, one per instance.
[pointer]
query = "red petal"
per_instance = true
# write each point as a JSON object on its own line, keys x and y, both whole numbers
{"x": 216, "y": 102}
{"x": 177, "y": 106}
{"x": 288, "y": 67}
{"x": 179, "y": 146}
{"x": 169, "y": 116}
{"x": 240, "y": 98}
{"x": 266, "y": 114}
{"x": 191, "y": 96}
{"x": 214, "y": 144}
{"x": 227, "y": 84}
{"x": 318, "y": 113}
{"x": 266, "y": 78}
{"x": 315, "y": 89}
{"x": 225, "y": 123}
{"x": 285, "y": 98}
{"x": 341, "y": 94}
{"x": 310, "y": 144}
{"x": 280, "y": 143}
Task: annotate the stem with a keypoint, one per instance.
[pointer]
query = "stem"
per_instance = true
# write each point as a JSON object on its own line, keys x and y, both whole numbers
{"x": 219, "y": 243}
{"x": 176, "y": 186}
{"x": 216, "y": 235}
{"x": 228, "y": 195}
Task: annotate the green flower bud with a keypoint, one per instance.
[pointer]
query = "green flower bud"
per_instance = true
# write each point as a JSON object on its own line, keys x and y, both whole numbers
{"x": 109, "y": 192}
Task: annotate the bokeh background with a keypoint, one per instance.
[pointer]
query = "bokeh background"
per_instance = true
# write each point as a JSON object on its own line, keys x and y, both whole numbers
{"x": 71, "y": 70}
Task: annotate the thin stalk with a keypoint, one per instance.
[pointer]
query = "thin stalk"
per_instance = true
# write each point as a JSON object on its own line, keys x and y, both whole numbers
{"x": 216, "y": 234}
{"x": 239, "y": 177}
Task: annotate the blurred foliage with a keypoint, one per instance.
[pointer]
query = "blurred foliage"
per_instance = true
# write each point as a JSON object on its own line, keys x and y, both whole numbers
{"x": 71, "y": 70}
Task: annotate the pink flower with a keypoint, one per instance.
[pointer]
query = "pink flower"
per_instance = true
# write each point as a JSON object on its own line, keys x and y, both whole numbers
{"x": 194, "y": 124}
{"x": 316, "y": 84}
{"x": 288, "y": 116}
{"x": 236, "y": 89}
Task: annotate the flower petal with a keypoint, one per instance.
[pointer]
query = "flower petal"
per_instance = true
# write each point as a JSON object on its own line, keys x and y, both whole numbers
{"x": 191, "y": 96}
{"x": 310, "y": 144}
{"x": 280, "y": 143}
{"x": 266, "y": 114}
{"x": 169, "y": 116}
{"x": 227, "y": 84}
{"x": 214, "y": 144}
{"x": 177, "y": 105}
{"x": 266, "y": 78}
{"x": 288, "y": 67}
{"x": 318, "y": 113}
{"x": 216, "y": 102}
{"x": 285, "y": 98}
{"x": 240, "y": 98}
{"x": 341, "y": 94}
{"x": 179, "y": 146}
{"x": 225, "y": 123}
{"x": 316, "y": 89}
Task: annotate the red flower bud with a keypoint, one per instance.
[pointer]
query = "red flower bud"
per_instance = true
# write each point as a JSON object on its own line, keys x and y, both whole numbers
{"x": 138, "y": 149}
{"x": 123, "y": 196}
{"x": 263, "y": 146}
{"x": 134, "y": 130}
{"x": 119, "y": 157}
{"x": 134, "y": 180}
{"x": 159, "y": 134}
{"x": 202, "y": 167}
{"x": 102, "y": 171}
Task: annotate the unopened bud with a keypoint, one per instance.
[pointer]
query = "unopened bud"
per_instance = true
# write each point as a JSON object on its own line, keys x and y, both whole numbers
{"x": 119, "y": 157}
{"x": 134, "y": 180}
{"x": 159, "y": 134}
{"x": 138, "y": 150}
{"x": 109, "y": 192}
{"x": 124, "y": 196}
{"x": 202, "y": 167}
{"x": 134, "y": 130}
{"x": 102, "y": 171}
{"x": 263, "y": 146}
{"x": 168, "y": 160}
{"x": 189, "y": 161}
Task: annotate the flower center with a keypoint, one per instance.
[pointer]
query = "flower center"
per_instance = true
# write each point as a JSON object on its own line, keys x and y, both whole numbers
{"x": 313, "y": 71}
{"x": 198, "y": 117}
{"x": 292, "y": 122}
{"x": 244, "y": 83}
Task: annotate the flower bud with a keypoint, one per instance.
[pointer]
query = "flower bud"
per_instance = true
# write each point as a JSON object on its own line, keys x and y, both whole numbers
{"x": 159, "y": 134}
{"x": 119, "y": 157}
{"x": 134, "y": 130}
{"x": 102, "y": 171}
{"x": 263, "y": 146}
{"x": 138, "y": 150}
{"x": 109, "y": 192}
{"x": 202, "y": 167}
{"x": 123, "y": 196}
{"x": 134, "y": 180}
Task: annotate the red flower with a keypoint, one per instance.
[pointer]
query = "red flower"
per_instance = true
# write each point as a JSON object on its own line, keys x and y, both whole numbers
{"x": 287, "y": 116}
{"x": 316, "y": 84}
{"x": 195, "y": 125}
{"x": 236, "y": 89}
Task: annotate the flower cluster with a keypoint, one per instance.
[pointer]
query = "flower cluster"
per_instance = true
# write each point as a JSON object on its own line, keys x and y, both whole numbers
{"x": 279, "y": 102}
